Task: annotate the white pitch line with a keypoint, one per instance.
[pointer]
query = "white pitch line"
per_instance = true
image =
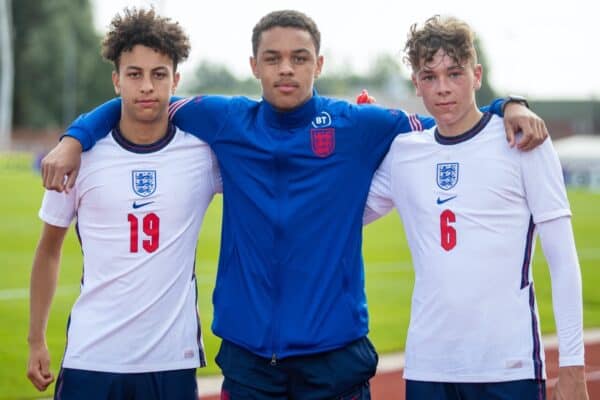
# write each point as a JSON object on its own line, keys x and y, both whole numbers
{"x": 23, "y": 293}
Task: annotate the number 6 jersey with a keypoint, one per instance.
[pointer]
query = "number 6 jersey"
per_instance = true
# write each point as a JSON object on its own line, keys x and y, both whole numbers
{"x": 469, "y": 205}
{"x": 138, "y": 209}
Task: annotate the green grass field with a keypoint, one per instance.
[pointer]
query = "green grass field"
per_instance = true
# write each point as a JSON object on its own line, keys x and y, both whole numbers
{"x": 389, "y": 276}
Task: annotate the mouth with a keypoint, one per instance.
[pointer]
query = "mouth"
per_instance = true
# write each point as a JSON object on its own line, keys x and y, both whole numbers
{"x": 146, "y": 103}
{"x": 446, "y": 104}
{"x": 286, "y": 86}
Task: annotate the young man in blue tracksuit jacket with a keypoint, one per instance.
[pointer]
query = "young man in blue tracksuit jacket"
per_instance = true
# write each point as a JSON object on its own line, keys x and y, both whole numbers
{"x": 289, "y": 301}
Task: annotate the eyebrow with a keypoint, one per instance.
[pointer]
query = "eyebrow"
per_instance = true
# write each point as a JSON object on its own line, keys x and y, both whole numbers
{"x": 426, "y": 70}
{"x": 297, "y": 51}
{"x": 136, "y": 68}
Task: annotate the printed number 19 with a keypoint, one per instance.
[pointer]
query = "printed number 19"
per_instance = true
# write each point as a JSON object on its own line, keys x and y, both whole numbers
{"x": 150, "y": 226}
{"x": 448, "y": 233}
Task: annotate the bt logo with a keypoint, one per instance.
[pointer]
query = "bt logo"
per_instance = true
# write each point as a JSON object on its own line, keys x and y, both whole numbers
{"x": 322, "y": 120}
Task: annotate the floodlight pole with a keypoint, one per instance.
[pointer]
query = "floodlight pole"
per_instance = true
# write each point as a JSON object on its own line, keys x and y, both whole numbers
{"x": 6, "y": 73}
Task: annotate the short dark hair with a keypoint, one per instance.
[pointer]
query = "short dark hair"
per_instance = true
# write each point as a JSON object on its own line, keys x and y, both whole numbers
{"x": 286, "y": 19}
{"x": 145, "y": 27}
{"x": 452, "y": 35}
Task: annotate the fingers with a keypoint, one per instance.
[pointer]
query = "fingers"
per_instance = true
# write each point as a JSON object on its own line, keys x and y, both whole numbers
{"x": 525, "y": 142}
{"x": 61, "y": 165}
{"x": 543, "y": 129}
{"x": 39, "y": 374}
{"x": 534, "y": 134}
{"x": 510, "y": 133}
{"x": 52, "y": 175}
{"x": 365, "y": 98}
{"x": 71, "y": 178}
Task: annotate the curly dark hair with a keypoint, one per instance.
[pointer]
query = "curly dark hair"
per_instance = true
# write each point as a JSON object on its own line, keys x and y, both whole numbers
{"x": 286, "y": 19}
{"x": 145, "y": 27}
{"x": 452, "y": 35}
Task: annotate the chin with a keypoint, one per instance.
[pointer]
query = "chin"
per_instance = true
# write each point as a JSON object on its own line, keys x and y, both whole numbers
{"x": 286, "y": 105}
{"x": 147, "y": 119}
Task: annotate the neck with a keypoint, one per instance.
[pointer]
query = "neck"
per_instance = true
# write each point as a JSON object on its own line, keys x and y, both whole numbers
{"x": 459, "y": 126}
{"x": 143, "y": 132}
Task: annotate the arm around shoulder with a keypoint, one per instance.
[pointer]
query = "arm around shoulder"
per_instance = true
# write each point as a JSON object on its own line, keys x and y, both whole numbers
{"x": 202, "y": 116}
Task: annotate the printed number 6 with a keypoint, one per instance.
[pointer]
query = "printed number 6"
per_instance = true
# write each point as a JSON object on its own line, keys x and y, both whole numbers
{"x": 448, "y": 233}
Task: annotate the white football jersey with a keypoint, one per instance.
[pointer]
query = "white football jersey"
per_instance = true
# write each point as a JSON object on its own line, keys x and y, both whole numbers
{"x": 139, "y": 210}
{"x": 469, "y": 206}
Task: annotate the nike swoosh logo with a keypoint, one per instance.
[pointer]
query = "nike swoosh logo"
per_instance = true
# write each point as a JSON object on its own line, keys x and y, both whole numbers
{"x": 139, "y": 205}
{"x": 442, "y": 201}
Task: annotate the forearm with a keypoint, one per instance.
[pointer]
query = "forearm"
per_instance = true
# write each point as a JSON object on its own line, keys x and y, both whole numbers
{"x": 89, "y": 128}
{"x": 558, "y": 245}
{"x": 44, "y": 276}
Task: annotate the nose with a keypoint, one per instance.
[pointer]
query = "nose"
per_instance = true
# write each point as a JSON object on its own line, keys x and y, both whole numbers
{"x": 147, "y": 85}
{"x": 443, "y": 86}
{"x": 285, "y": 67}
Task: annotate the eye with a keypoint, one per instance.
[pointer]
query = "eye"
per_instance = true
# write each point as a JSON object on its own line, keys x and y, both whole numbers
{"x": 133, "y": 75}
{"x": 427, "y": 78}
{"x": 299, "y": 59}
{"x": 160, "y": 75}
{"x": 271, "y": 59}
{"x": 455, "y": 74}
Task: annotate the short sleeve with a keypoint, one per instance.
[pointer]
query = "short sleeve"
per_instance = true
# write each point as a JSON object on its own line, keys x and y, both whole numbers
{"x": 544, "y": 183}
{"x": 58, "y": 209}
{"x": 380, "y": 194}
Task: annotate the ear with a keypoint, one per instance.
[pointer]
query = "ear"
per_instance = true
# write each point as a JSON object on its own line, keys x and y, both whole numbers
{"x": 176, "y": 78}
{"x": 254, "y": 68}
{"x": 320, "y": 61}
{"x": 413, "y": 78}
{"x": 116, "y": 82}
{"x": 478, "y": 72}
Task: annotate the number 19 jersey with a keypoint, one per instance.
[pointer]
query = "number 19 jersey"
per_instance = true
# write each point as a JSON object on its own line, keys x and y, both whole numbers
{"x": 469, "y": 206}
{"x": 139, "y": 209}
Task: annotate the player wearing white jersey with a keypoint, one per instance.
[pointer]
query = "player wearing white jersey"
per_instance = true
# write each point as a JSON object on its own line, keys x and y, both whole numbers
{"x": 471, "y": 208}
{"x": 139, "y": 202}
{"x": 138, "y": 223}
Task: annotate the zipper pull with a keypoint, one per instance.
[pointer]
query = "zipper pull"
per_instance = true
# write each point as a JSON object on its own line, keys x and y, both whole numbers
{"x": 274, "y": 360}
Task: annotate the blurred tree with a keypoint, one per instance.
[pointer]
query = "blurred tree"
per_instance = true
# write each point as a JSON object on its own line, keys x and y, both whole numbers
{"x": 59, "y": 72}
{"x": 384, "y": 75}
{"x": 486, "y": 94}
{"x": 217, "y": 78}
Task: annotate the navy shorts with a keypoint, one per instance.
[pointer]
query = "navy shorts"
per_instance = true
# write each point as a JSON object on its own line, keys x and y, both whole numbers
{"x": 341, "y": 374}
{"x": 528, "y": 389}
{"x": 77, "y": 384}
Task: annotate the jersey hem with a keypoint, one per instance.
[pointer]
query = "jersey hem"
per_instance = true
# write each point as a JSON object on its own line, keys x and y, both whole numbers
{"x": 132, "y": 368}
{"x": 457, "y": 378}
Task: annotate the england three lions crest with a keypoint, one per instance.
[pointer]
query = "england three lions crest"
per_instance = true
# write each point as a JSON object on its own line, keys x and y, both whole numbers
{"x": 322, "y": 141}
{"x": 143, "y": 182}
{"x": 447, "y": 175}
